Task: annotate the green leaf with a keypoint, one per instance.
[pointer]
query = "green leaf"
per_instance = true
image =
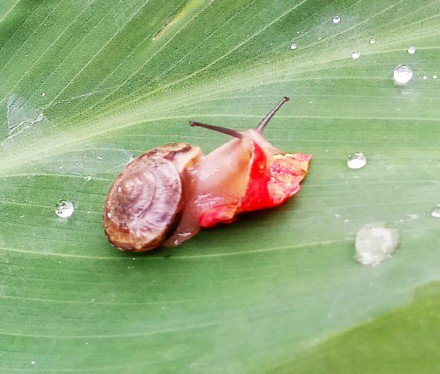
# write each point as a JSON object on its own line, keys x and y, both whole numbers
{"x": 84, "y": 84}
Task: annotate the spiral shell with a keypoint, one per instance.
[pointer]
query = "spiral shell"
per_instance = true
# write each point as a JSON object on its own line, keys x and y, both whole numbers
{"x": 144, "y": 204}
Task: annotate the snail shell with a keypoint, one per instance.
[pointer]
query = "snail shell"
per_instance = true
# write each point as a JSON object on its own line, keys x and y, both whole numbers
{"x": 145, "y": 203}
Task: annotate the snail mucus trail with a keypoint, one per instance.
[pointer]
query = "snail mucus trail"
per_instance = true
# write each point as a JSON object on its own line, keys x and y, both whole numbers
{"x": 167, "y": 194}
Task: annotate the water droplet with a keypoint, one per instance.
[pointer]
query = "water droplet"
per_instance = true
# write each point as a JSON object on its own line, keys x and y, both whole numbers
{"x": 293, "y": 46}
{"x": 375, "y": 242}
{"x": 33, "y": 362}
{"x": 89, "y": 178}
{"x": 411, "y": 50}
{"x": 435, "y": 212}
{"x": 356, "y": 161}
{"x": 336, "y": 19}
{"x": 402, "y": 74}
{"x": 99, "y": 157}
{"x": 64, "y": 209}
{"x": 372, "y": 41}
{"x": 425, "y": 77}
{"x": 355, "y": 55}
{"x": 39, "y": 117}
{"x": 109, "y": 215}
{"x": 43, "y": 94}
{"x": 434, "y": 77}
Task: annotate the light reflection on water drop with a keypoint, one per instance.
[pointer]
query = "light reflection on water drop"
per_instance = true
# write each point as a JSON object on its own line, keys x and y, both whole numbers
{"x": 411, "y": 50}
{"x": 355, "y": 55}
{"x": 356, "y": 161}
{"x": 336, "y": 19}
{"x": 435, "y": 212}
{"x": 372, "y": 41}
{"x": 65, "y": 209}
{"x": 293, "y": 46}
{"x": 375, "y": 242}
{"x": 402, "y": 74}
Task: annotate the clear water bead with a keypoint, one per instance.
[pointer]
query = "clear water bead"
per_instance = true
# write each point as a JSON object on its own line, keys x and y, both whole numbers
{"x": 425, "y": 77}
{"x": 402, "y": 74}
{"x": 336, "y": 19}
{"x": 411, "y": 50}
{"x": 435, "y": 212}
{"x": 434, "y": 77}
{"x": 65, "y": 209}
{"x": 355, "y": 55}
{"x": 357, "y": 161}
{"x": 293, "y": 46}
{"x": 372, "y": 41}
{"x": 375, "y": 242}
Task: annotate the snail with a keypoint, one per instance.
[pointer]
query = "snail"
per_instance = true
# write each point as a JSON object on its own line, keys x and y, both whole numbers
{"x": 164, "y": 196}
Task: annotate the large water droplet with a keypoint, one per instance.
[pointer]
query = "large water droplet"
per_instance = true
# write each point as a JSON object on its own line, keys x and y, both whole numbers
{"x": 357, "y": 160}
{"x": 336, "y": 19}
{"x": 375, "y": 242}
{"x": 293, "y": 46}
{"x": 65, "y": 209}
{"x": 435, "y": 212}
{"x": 411, "y": 50}
{"x": 402, "y": 74}
{"x": 372, "y": 41}
{"x": 355, "y": 55}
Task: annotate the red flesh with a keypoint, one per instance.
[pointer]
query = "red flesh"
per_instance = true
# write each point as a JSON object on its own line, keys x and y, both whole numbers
{"x": 272, "y": 180}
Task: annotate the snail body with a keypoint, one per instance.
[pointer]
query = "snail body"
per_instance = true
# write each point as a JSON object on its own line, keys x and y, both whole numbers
{"x": 167, "y": 194}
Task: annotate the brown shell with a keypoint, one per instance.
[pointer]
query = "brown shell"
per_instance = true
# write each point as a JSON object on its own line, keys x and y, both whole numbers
{"x": 144, "y": 204}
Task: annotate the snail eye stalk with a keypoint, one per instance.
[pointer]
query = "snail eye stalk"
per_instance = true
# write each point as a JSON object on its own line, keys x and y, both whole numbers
{"x": 262, "y": 125}
{"x": 223, "y": 130}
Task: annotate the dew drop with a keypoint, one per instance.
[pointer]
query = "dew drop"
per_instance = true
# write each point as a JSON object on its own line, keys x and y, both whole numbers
{"x": 372, "y": 41}
{"x": 425, "y": 77}
{"x": 356, "y": 161}
{"x": 402, "y": 74}
{"x": 336, "y": 19}
{"x": 65, "y": 209}
{"x": 33, "y": 362}
{"x": 39, "y": 117}
{"x": 411, "y": 50}
{"x": 43, "y": 94}
{"x": 375, "y": 242}
{"x": 435, "y": 212}
{"x": 355, "y": 55}
{"x": 293, "y": 46}
{"x": 434, "y": 77}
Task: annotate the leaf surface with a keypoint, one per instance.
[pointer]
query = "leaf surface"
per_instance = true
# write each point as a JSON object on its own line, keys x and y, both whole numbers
{"x": 85, "y": 84}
